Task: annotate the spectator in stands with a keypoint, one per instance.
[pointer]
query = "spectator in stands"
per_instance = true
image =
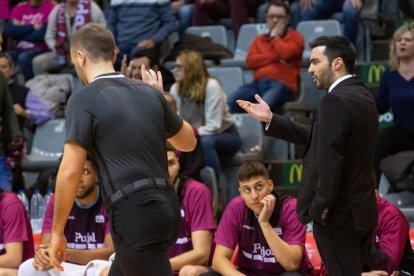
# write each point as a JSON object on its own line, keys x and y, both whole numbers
{"x": 390, "y": 242}
{"x": 191, "y": 162}
{"x": 151, "y": 61}
{"x": 238, "y": 10}
{"x": 275, "y": 58}
{"x": 201, "y": 101}
{"x": 140, "y": 24}
{"x": 18, "y": 95}
{"x": 264, "y": 225}
{"x": 10, "y": 129}
{"x": 16, "y": 239}
{"x": 396, "y": 92}
{"x": 183, "y": 11}
{"x": 86, "y": 231}
{"x": 27, "y": 25}
{"x": 323, "y": 9}
{"x": 18, "y": 92}
{"x": 64, "y": 20}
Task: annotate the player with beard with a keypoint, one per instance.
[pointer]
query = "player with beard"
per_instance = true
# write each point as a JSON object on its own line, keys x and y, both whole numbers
{"x": 87, "y": 230}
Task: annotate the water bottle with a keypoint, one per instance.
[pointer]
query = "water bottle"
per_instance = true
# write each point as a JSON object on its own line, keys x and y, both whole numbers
{"x": 22, "y": 196}
{"x": 35, "y": 211}
{"x": 34, "y": 205}
{"x": 46, "y": 199}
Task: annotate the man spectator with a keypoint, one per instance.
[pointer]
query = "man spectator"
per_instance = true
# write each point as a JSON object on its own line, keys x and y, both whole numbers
{"x": 183, "y": 11}
{"x": 275, "y": 58}
{"x": 64, "y": 20}
{"x": 140, "y": 24}
{"x": 16, "y": 239}
{"x": 151, "y": 60}
{"x": 86, "y": 231}
{"x": 10, "y": 129}
{"x": 264, "y": 225}
{"x": 27, "y": 25}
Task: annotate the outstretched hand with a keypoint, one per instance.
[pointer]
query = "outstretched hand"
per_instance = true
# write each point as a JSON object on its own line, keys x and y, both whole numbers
{"x": 152, "y": 78}
{"x": 260, "y": 110}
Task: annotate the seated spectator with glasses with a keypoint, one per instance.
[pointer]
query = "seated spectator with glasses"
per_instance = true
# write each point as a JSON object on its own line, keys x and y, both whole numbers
{"x": 275, "y": 58}
{"x": 86, "y": 231}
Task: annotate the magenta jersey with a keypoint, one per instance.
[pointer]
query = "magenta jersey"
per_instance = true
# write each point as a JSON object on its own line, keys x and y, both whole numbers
{"x": 391, "y": 233}
{"x": 85, "y": 228}
{"x": 196, "y": 214}
{"x": 15, "y": 225}
{"x": 29, "y": 15}
{"x": 5, "y": 9}
{"x": 240, "y": 226}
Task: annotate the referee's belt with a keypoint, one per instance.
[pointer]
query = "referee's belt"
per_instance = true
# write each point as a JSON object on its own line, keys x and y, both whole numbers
{"x": 135, "y": 186}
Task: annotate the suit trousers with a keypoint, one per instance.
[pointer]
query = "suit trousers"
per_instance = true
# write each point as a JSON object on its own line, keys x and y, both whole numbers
{"x": 342, "y": 247}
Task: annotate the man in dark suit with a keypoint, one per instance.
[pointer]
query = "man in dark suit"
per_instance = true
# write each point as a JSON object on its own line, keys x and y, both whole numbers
{"x": 337, "y": 191}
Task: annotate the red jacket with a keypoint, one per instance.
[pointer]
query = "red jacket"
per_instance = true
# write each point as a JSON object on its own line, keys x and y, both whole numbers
{"x": 277, "y": 58}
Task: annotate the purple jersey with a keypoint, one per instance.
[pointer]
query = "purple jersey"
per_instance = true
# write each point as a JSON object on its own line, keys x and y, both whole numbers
{"x": 15, "y": 225}
{"x": 391, "y": 233}
{"x": 85, "y": 228}
{"x": 196, "y": 214}
{"x": 27, "y": 14}
{"x": 240, "y": 226}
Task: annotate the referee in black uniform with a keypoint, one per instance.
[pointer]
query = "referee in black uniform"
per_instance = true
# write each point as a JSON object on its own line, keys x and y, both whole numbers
{"x": 123, "y": 124}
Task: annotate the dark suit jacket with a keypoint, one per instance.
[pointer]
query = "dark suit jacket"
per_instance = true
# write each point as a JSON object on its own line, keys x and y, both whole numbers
{"x": 337, "y": 181}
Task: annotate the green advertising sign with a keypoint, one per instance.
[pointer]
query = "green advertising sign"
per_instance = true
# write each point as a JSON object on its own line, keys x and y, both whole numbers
{"x": 292, "y": 173}
{"x": 371, "y": 73}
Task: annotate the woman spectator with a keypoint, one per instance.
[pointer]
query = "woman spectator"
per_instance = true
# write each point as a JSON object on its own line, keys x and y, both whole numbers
{"x": 201, "y": 102}
{"x": 396, "y": 91}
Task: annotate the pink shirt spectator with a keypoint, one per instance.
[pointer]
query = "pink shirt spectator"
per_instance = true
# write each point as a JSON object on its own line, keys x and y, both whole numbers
{"x": 29, "y": 15}
{"x": 85, "y": 228}
{"x": 196, "y": 214}
{"x": 239, "y": 225}
{"x": 15, "y": 225}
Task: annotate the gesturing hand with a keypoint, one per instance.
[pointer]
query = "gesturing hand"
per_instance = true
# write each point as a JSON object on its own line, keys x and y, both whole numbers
{"x": 260, "y": 110}
{"x": 152, "y": 78}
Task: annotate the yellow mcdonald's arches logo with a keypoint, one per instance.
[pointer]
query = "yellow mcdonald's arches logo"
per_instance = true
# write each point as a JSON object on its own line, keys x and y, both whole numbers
{"x": 295, "y": 169}
{"x": 375, "y": 71}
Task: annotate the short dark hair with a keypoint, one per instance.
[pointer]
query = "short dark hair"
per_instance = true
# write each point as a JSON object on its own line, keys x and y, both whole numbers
{"x": 96, "y": 40}
{"x": 279, "y": 3}
{"x": 8, "y": 57}
{"x": 251, "y": 169}
{"x": 170, "y": 147}
{"x": 151, "y": 54}
{"x": 337, "y": 46}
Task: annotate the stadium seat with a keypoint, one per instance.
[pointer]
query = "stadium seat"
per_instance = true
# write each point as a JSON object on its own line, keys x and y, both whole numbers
{"x": 216, "y": 33}
{"x": 246, "y": 36}
{"x": 209, "y": 179}
{"x": 314, "y": 28}
{"x": 231, "y": 78}
{"x": 309, "y": 97}
{"x": 47, "y": 146}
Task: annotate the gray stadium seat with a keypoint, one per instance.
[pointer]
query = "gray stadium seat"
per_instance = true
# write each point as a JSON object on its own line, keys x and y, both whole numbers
{"x": 401, "y": 199}
{"x": 231, "y": 78}
{"x": 309, "y": 97}
{"x": 209, "y": 179}
{"x": 246, "y": 36}
{"x": 315, "y": 28}
{"x": 251, "y": 134}
{"x": 217, "y": 33}
{"x": 47, "y": 146}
